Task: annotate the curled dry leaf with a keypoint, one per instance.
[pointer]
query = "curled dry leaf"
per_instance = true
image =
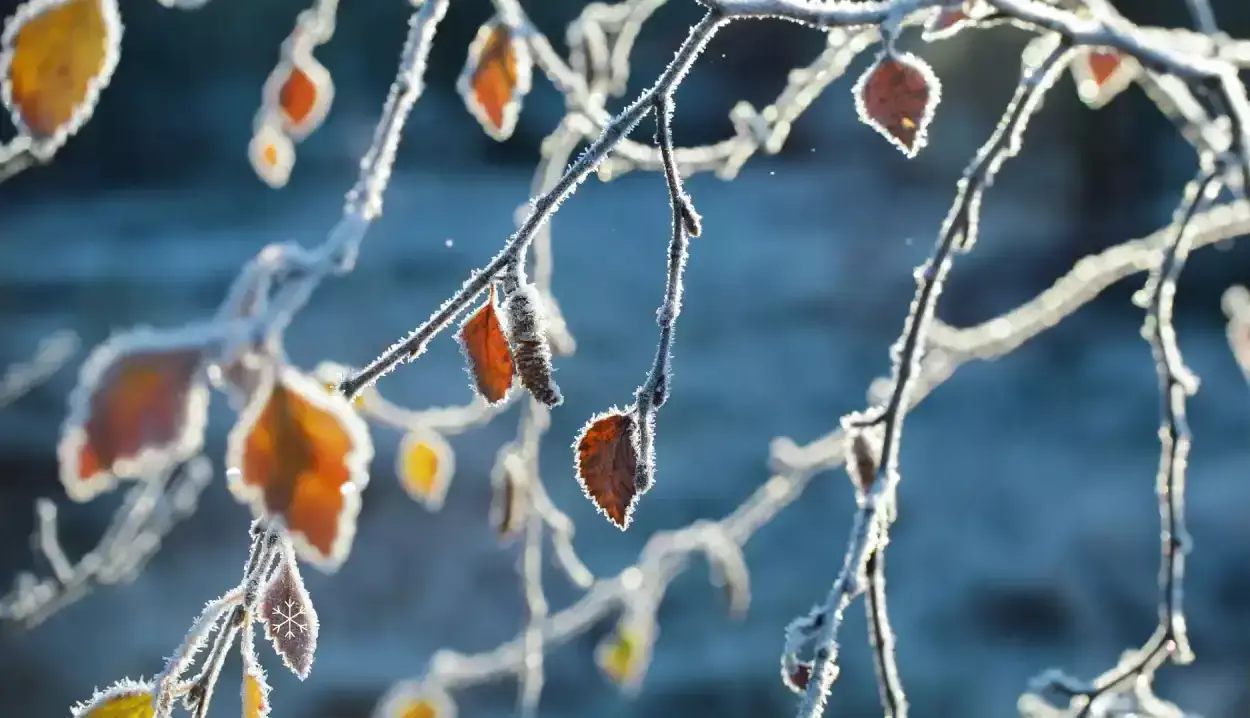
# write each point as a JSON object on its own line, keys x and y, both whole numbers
{"x": 290, "y": 620}
{"x": 1101, "y": 74}
{"x": 509, "y": 503}
{"x": 897, "y": 96}
{"x": 271, "y": 152}
{"x": 528, "y": 338}
{"x": 863, "y": 452}
{"x": 425, "y": 464}
{"x": 56, "y": 56}
{"x": 124, "y": 699}
{"x": 299, "y": 92}
{"x": 140, "y": 407}
{"x": 607, "y": 464}
{"x": 302, "y": 454}
{"x": 496, "y": 78}
{"x": 486, "y": 349}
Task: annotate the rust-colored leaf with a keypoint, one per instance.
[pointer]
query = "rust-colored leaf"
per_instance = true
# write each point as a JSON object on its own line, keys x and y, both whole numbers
{"x": 425, "y": 464}
{"x": 124, "y": 699}
{"x": 487, "y": 352}
{"x": 302, "y": 454}
{"x": 897, "y": 97}
{"x": 290, "y": 619}
{"x": 140, "y": 407}
{"x": 607, "y": 463}
{"x": 496, "y": 78}
{"x": 300, "y": 92}
{"x": 57, "y": 56}
{"x": 1101, "y": 74}
{"x": 797, "y": 678}
{"x": 272, "y": 153}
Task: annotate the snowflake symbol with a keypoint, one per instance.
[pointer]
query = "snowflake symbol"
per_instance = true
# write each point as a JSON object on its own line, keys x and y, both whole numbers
{"x": 289, "y": 618}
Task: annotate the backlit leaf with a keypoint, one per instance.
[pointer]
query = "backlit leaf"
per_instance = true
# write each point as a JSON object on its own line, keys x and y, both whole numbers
{"x": 299, "y": 91}
{"x": 1101, "y": 74}
{"x": 255, "y": 695}
{"x": 413, "y": 700}
{"x": 56, "y": 56}
{"x": 496, "y": 78}
{"x": 140, "y": 407}
{"x": 487, "y": 352}
{"x": 302, "y": 454}
{"x": 897, "y": 97}
{"x": 290, "y": 619}
{"x": 124, "y": 699}
{"x": 425, "y": 463}
{"x": 272, "y": 153}
{"x": 607, "y": 462}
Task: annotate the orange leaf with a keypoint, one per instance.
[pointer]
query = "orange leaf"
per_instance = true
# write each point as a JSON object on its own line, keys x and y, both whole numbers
{"x": 272, "y": 153}
{"x": 299, "y": 91}
{"x": 124, "y": 699}
{"x": 897, "y": 97}
{"x": 140, "y": 407}
{"x": 486, "y": 349}
{"x": 1100, "y": 75}
{"x": 302, "y": 454}
{"x": 57, "y": 56}
{"x": 607, "y": 463}
{"x": 425, "y": 463}
{"x": 496, "y": 78}
{"x": 411, "y": 700}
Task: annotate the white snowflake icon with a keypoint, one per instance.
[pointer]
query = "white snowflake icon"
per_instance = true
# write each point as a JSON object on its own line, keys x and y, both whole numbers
{"x": 288, "y": 618}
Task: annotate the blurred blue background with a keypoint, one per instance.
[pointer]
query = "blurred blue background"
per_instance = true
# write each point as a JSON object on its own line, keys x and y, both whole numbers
{"x": 1028, "y": 529}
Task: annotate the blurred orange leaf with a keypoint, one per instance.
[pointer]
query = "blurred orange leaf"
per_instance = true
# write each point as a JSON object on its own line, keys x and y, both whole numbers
{"x": 425, "y": 463}
{"x": 139, "y": 408}
{"x": 299, "y": 91}
{"x": 496, "y": 78}
{"x": 607, "y": 463}
{"x": 1101, "y": 74}
{"x": 58, "y": 55}
{"x": 124, "y": 699}
{"x": 302, "y": 454}
{"x": 486, "y": 349}
{"x": 415, "y": 701}
{"x": 897, "y": 97}
{"x": 272, "y": 153}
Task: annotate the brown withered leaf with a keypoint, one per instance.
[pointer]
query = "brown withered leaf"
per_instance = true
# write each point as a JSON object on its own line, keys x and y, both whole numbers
{"x": 140, "y": 407}
{"x": 607, "y": 463}
{"x": 302, "y": 454}
{"x": 496, "y": 78}
{"x": 290, "y": 619}
{"x": 56, "y": 57}
{"x": 1102, "y": 74}
{"x": 486, "y": 349}
{"x": 509, "y": 504}
{"x": 797, "y": 679}
{"x": 897, "y": 96}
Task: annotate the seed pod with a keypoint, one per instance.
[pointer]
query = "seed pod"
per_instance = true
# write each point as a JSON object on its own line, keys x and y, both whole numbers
{"x": 530, "y": 350}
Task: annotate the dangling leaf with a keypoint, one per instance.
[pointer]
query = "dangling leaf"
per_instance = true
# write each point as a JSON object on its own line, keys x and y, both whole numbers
{"x": 299, "y": 91}
{"x": 797, "y": 678}
{"x": 124, "y": 699}
{"x": 290, "y": 619}
{"x": 624, "y": 655}
{"x": 140, "y": 407}
{"x": 945, "y": 23}
{"x": 272, "y": 153}
{"x": 56, "y": 56}
{"x": 496, "y": 78}
{"x": 487, "y": 352}
{"x": 302, "y": 454}
{"x": 425, "y": 463}
{"x": 607, "y": 463}
{"x": 1101, "y": 74}
{"x": 509, "y": 504}
{"x": 897, "y": 97}
{"x": 413, "y": 700}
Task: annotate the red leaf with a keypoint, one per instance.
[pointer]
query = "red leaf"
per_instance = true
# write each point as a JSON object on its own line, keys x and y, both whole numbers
{"x": 140, "y": 407}
{"x": 302, "y": 454}
{"x": 897, "y": 97}
{"x": 486, "y": 349}
{"x": 797, "y": 679}
{"x": 496, "y": 78}
{"x": 607, "y": 464}
{"x": 1100, "y": 75}
{"x": 299, "y": 91}
{"x": 290, "y": 619}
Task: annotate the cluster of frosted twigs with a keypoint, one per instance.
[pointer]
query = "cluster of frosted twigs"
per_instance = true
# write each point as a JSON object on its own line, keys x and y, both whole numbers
{"x": 300, "y": 450}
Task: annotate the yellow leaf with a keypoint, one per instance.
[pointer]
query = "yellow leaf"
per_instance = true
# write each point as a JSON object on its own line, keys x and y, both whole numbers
{"x": 413, "y": 700}
{"x": 57, "y": 57}
{"x": 425, "y": 463}
{"x": 255, "y": 694}
{"x": 623, "y": 656}
{"x": 124, "y": 699}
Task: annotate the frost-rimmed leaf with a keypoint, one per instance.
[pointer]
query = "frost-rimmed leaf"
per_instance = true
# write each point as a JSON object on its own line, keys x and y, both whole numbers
{"x": 290, "y": 620}
{"x": 140, "y": 407}
{"x": 301, "y": 454}
{"x": 299, "y": 92}
{"x": 949, "y": 20}
{"x": 606, "y": 464}
{"x": 1101, "y": 74}
{"x": 496, "y": 78}
{"x": 531, "y": 352}
{"x": 123, "y": 699}
{"x": 271, "y": 152}
{"x": 411, "y": 699}
{"x": 56, "y": 57}
{"x": 487, "y": 352}
{"x": 897, "y": 96}
{"x": 425, "y": 464}
{"x": 796, "y": 677}
{"x": 255, "y": 689}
